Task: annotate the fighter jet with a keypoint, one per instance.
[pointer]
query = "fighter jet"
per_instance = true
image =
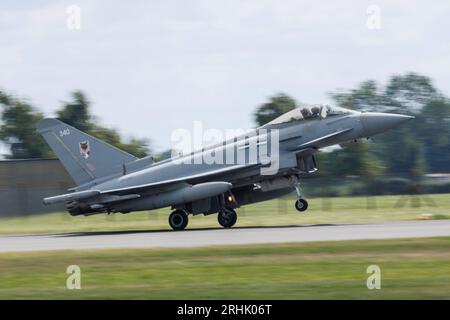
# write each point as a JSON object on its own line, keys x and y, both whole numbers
{"x": 262, "y": 164}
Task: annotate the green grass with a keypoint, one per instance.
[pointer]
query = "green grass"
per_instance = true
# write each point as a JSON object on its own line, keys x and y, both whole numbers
{"x": 275, "y": 212}
{"x": 410, "y": 269}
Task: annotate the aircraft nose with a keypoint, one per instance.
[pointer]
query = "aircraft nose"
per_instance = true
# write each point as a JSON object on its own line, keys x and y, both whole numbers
{"x": 374, "y": 122}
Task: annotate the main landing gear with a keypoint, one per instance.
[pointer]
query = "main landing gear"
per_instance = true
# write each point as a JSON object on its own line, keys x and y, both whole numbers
{"x": 301, "y": 204}
{"x": 227, "y": 217}
{"x": 178, "y": 219}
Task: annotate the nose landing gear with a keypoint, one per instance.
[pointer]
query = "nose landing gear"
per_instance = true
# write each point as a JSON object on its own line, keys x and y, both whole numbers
{"x": 301, "y": 204}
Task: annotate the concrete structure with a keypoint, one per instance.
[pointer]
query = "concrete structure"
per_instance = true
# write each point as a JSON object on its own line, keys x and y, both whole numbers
{"x": 24, "y": 183}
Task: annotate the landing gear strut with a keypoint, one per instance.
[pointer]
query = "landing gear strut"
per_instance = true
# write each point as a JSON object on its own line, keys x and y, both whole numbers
{"x": 301, "y": 204}
{"x": 178, "y": 220}
{"x": 227, "y": 217}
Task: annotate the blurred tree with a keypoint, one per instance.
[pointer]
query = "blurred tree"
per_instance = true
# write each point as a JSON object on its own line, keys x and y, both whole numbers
{"x": 355, "y": 159}
{"x": 77, "y": 113}
{"x": 364, "y": 98}
{"x": 277, "y": 105}
{"x": 402, "y": 149}
{"x": 409, "y": 93}
{"x": 137, "y": 147}
{"x": 163, "y": 155}
{"x": 19, "y": 120}
{"x": 18, "y": 129}
{"x": 5, "y": 99}
{"x": 432, "y": 129}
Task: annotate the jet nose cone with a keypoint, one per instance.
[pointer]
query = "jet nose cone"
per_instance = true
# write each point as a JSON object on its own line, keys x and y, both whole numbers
{"x": 374, "y": 123}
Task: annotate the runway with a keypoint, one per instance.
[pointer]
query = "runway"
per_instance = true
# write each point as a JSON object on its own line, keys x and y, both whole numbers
{"x": 235, "y": 236}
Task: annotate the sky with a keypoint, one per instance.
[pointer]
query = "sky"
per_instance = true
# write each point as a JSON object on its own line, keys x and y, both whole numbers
{"x": 151, "y": 67}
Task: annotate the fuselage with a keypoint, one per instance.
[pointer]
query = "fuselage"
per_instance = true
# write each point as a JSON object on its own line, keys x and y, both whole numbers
{"x": 261, "y": 164}
{"x": 229, "y": 153}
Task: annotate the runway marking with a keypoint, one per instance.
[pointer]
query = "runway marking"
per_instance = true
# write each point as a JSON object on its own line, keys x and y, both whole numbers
{"x": 214, "y": 237}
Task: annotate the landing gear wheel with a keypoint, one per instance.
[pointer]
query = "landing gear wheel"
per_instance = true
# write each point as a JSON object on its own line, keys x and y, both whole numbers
{"x": 227, "y": 218}
{"x": 178, "y": 220}
{"x": 301, "y": 205}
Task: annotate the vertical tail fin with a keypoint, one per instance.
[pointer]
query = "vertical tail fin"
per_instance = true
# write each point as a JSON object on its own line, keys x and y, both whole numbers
{"x": 84, "y": 157}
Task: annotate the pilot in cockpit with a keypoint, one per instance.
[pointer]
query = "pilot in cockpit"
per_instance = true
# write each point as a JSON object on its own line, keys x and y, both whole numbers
{"x": 306, "y": 113}
{"x": 315, "y": 111}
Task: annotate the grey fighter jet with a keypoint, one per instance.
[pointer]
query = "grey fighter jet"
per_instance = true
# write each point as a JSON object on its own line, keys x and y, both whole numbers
{"x": 262, "y": 164}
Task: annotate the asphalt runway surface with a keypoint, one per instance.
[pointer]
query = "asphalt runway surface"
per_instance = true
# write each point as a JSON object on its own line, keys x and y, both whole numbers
{"x": 218, "y": 236}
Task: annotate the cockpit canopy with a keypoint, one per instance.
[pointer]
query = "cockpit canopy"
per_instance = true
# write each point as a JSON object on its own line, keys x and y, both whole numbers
{"x": 310, "y": 112}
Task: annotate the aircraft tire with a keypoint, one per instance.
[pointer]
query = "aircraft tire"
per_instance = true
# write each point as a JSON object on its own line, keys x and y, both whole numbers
{"x": 227, "y": 218}
{"x": 301, "y": 205}
{"x": 178, "y": 220}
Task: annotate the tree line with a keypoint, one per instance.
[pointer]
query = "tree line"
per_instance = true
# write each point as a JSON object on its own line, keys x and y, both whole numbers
{"x": 419, "y": 146}
{"x": 18, "y": 127}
